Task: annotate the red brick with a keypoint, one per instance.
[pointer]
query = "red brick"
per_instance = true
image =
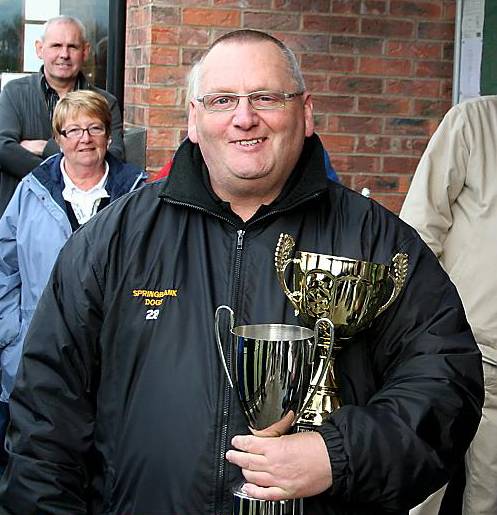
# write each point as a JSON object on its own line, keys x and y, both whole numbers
{"x": 162, "y": 117}
{"x": 420, "y": 49}
{"x": 320, "y": 122}
{"x": 338, "y": 142}
{"x": 319, "y": 6}
{"x": 377, "y": 183}
{"x": 384, "y": 105}
{"x": 431, "y": 108}
{"x": 330, "y": 24}
{"x": 192, "y": 36}
{"x": 386, "y": 27}
{"x": 373, "y": 144}
{"x": 388, "y": 67}
{"x": 413, "y": 87}
{"x": 409, "y": 126}
{"x": 356, "y": 164}
{"x": 416, "y": 8}
{"x": 333, "y": 104}
{"x": 305, "y": 42}
{"x": 352, "y": 85}
{"x": 374, "y": 7}
{"x": 165, "y": 35}
{"x": 355, "y": 124}
{"x": 211, "y": 17}
{"x": 162, "y": 96}
{"x": 270, "y": 21}
{"x": 432, "y": 69}
{"x": 168, "y": 76}
{"x": 191, "y": 55}
{"x": 159, "y": 137}
{"x": 346, "y": 6}
{"x": 436, "y": 30}
{"x": 400, "y": 165}
{"x": 356, "y": 45}
{"x": 329, "y": 63}
{"x": 158, "y": 157}
{"x": 261, "y": 4}
{"x": 164, "y": 15}
{"x": 316, "y": 82}
{"x": 345, "y": 179}
{"x": 164, "y": 56}
{"x": 134, "y": 114}
{"x": 448, "y": 51}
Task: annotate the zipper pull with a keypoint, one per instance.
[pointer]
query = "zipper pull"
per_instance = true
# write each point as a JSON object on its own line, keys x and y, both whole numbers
{"x": 239, "y": 241}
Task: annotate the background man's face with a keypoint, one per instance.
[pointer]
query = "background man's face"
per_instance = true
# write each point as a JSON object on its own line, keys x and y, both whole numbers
{"x": 63, "y": 52}
{"x": 247, "y": 150}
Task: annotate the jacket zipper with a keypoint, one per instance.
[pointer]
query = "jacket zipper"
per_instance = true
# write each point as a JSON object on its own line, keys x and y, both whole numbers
{"x": 227, "y": 389}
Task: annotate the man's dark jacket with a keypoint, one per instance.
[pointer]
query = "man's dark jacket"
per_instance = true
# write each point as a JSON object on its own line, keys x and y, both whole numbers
{"x": 121, "y": 390}
{"x": 24, "y": 116}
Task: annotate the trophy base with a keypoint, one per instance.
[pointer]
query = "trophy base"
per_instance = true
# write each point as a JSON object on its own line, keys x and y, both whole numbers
{"x": 245, "y": 505}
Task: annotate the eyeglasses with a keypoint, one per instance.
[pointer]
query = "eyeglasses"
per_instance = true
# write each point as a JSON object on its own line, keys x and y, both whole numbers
{"x": 77, "y": 132}
{"x": 259, "y": 100}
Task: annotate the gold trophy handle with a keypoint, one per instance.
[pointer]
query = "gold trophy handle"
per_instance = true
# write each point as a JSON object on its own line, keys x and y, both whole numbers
{"x": 398, "y": 276}
{"x": 218, "y": 338}
{"x": 319, "y": 322}
{"x": 281, "y": 261}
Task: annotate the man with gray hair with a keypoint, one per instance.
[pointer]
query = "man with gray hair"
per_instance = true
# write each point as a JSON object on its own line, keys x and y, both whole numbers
{"x": 121, "y": 404}
{"x": 27, "y": 104}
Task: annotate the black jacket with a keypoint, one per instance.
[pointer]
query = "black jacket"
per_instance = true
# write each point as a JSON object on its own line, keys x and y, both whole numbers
{"x": 124, "y": 395}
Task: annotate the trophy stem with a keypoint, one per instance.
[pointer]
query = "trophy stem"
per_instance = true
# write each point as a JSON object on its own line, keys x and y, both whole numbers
{"x": 326, "y": 398}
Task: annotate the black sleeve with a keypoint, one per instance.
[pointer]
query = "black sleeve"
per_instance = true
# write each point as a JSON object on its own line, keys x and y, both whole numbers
{"x": 51, "y": 437}
{"x": 15, "y": 160}
{"x": 403, "y": 443}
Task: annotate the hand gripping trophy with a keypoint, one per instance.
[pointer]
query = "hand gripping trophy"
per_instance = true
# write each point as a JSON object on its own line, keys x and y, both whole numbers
{"x": 350, "y": 293}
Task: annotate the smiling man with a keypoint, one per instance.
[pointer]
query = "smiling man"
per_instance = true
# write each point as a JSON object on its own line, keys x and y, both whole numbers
{"x": 121, "y": 404}
{"x": 27, "y": 104}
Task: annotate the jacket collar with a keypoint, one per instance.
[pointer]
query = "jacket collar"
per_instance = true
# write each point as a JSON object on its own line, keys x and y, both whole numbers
{"x": 188, "y": 182}
{"x": 123, "y": 177}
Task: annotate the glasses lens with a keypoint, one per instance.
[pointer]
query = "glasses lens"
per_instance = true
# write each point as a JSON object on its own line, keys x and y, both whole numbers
{"x": 73, "y": 133}
{"x": 267, "y": 99}
{"x": 220, "y": 102}
{"x": 96, "y": 130}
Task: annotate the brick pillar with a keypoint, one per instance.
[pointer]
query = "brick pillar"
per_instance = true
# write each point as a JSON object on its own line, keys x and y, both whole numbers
{"x": 380, "y": 72}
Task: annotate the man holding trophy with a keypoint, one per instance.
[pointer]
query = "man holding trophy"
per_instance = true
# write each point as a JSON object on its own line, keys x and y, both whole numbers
{"x": 342, "y": 345}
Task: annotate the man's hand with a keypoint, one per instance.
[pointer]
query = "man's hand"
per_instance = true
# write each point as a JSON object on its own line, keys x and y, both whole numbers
{"x": 284, "y": 467}
{"x": 35, "y": 146}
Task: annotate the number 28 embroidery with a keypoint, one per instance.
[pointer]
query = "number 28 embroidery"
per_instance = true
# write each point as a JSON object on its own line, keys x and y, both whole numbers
{"x": 152, "y": 314}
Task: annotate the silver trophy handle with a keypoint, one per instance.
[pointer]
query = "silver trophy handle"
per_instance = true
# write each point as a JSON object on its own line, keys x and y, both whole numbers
{"x": 329, "y": 323}
{"x": 218, "y": 338}
{"x": 281, "y": 261}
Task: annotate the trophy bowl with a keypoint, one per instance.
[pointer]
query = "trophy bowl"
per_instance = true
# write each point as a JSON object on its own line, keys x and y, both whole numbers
{"x": 350, "y": 292}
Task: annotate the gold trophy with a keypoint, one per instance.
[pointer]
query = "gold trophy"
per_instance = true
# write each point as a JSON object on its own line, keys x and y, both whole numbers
{"x": 350, "y": 293}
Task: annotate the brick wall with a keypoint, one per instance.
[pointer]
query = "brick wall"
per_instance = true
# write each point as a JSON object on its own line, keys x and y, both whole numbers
{"x": 380, "y": 72}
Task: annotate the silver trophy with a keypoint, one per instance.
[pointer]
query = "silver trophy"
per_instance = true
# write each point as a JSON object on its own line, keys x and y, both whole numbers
{"x": 271, "y": 367}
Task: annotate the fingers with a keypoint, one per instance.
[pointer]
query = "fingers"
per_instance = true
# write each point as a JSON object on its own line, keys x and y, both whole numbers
{"x": 272, "y": 493}
{"x": 279, "y": 428}
{"x": 247, "y": 460}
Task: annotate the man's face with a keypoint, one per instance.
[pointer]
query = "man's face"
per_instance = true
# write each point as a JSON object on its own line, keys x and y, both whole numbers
{"x": 247, "y": 151}
{"x": 63, "y": 52}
